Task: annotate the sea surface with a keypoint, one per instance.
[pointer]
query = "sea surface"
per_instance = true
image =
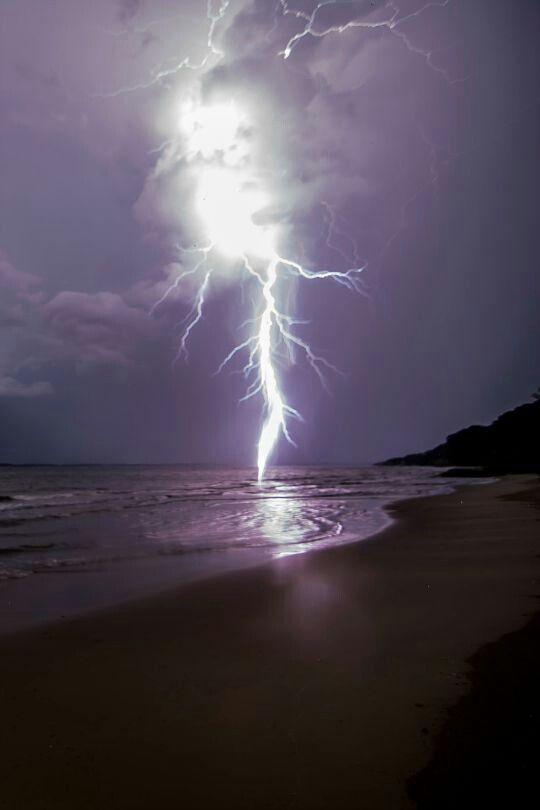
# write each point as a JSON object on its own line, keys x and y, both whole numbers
{"x": 79, "y": 538}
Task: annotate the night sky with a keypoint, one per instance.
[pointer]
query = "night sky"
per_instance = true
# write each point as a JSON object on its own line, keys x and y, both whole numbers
{"x": 423, "y": 139}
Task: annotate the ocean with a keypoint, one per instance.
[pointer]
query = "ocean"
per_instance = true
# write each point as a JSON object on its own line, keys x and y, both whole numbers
{"x": 77, "y": 538}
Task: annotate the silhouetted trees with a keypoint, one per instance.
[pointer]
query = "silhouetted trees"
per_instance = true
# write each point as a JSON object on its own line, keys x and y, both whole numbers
{"x": 510, "y": 444}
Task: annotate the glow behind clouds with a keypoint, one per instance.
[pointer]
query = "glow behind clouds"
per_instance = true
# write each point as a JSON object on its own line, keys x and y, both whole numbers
{"x": 227, "y": 205}
{"x": 229, "y": 197}
{"x": 227, "y": 201}
{"x": 212, "y": 130}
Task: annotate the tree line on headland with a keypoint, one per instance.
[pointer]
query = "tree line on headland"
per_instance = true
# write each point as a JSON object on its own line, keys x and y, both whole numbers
{"x": 511, "y": 444}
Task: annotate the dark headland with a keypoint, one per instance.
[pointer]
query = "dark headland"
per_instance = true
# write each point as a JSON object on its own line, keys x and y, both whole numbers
{"x": 511, "y": 444}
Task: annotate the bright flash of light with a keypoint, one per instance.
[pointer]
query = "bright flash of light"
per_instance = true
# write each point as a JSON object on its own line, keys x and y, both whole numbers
{"x": 227, "y": 204}
{"x": 229, "y": 198}
{"x": 211, "y": 130}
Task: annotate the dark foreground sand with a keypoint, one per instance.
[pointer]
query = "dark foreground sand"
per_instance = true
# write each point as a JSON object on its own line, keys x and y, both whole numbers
{"x": 315, "y": 682}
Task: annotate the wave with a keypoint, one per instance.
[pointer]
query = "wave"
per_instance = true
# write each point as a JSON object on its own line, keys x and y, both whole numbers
{"x": 109, "y": 516}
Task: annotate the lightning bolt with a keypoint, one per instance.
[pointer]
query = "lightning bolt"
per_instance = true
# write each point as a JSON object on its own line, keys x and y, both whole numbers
{"x": 160, "y": 75}
{"x": 392, "y": 24}
{"x": 227, "y": 210}
{"x": 275, "y": 406}
{"x": 273, "y": 333}
{"x": 195, "y": 315}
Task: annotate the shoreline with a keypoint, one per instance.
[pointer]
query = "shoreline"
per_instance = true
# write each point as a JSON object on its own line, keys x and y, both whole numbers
{"x": 42, "y": 598}
{"x": 313, "y": 681}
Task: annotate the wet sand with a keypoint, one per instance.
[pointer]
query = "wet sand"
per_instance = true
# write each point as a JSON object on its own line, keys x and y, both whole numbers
{"x": 486, "y": 753}
{"x": 317, "y": 681}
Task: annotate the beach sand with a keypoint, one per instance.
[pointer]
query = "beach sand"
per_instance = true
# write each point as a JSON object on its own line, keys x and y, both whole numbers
{"x": 316, "y": 681}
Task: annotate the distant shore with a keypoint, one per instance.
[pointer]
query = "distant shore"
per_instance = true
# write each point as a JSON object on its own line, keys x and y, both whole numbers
{"x": 316, "y": 681}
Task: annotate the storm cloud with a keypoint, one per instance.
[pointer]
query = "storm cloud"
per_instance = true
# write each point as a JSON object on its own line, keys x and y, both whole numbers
{"x": 418, "y": 141}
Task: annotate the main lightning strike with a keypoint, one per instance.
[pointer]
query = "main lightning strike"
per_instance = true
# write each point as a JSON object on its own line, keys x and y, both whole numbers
{"x": 275, "y": 407}
{"x": 229, "y": 198}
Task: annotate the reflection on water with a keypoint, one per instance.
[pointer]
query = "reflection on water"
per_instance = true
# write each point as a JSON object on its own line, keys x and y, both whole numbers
{"x": 63, "y": 518}
{"x": 291, "y": 525}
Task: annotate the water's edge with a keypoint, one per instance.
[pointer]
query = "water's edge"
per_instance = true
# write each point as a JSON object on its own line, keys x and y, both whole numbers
{"x": 62, "y": 589}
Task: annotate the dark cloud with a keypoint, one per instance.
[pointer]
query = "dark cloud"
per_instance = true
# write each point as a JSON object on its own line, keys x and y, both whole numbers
{"x": 98, "y": 329}
{"x": 29, "y": 73}
{"x": 11, "y": 388}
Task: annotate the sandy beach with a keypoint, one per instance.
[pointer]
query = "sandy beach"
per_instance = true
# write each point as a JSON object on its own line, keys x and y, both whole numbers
{"x": 320, "y": 680}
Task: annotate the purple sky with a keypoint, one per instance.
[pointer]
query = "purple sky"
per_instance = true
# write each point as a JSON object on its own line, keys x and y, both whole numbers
{"x": 423, "y": 139}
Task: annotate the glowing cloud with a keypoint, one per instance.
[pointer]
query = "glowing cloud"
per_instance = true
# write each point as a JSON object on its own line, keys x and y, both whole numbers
{"x": 227, "y": 205}
{"x": 229, "y": 200}
{"x": 212, "y": 130}
{"x": 221, "y": 144}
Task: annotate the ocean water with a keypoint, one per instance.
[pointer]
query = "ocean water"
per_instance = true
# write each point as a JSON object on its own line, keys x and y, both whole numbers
{"x": 125, "y": 530}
